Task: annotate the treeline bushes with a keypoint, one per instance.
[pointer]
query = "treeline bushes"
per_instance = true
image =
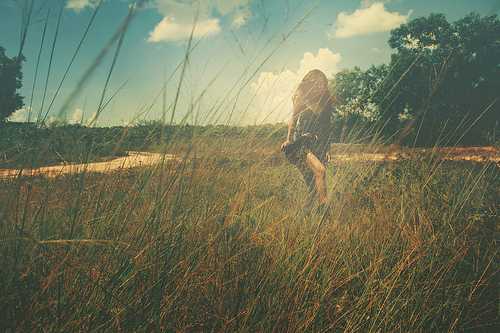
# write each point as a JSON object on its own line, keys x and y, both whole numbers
{"x": 25, "y": 144}
{"x": 440, "y": 88}
{"x": 454, "y": 130}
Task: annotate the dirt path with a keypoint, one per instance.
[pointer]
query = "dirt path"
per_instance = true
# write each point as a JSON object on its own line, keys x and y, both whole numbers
{"x": 470, "y": 154}
{"x": 134, "y": 159}
{"x": 138, "y": 159}
{"x": 377, "y": 157}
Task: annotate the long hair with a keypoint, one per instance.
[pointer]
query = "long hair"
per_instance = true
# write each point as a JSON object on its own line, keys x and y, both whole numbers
{"x": 313, "y": 92}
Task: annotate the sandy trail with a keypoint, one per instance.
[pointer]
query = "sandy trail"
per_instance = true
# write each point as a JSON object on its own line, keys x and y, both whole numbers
{"x": 470, "y": 154}
{"x": 134, "y": 159}
{"x": 140, "y": 159}
{"x": 393, "y": 157}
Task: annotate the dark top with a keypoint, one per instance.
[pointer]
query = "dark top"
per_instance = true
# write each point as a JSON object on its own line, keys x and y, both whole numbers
{"x": 312, "y": 110}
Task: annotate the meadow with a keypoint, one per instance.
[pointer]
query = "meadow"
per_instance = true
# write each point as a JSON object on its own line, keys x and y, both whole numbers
{"x": 221, "y": 240}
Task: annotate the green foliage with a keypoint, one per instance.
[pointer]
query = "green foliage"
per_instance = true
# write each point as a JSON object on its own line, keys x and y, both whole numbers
{"x": 354, "y": 90}
{"x": 421, "y": 33}
{"x": 25, "y": 144}
{"x": 452, "y": 77}
{"x": 10, "y": 82}
{"x": 351, "y": 128}
{"x": 443, "y": 75}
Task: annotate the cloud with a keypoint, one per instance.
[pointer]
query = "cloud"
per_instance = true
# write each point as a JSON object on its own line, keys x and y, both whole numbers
{"x": 326, "y": 61}
{"x": 225, "y": 7}
{"x": 78, "y": 5}
{"x": 369, "y": 19}
{"x": 77, "y": 117}
{"x": 273, "y": 93}
{"x": 21, "y": 115}
{"x": 172, "y": 30}
{"x": 179, "y": 17}
{"x": 239, "y": 9}
{"x": 273, "y": 90}
{"x": 241, "y": 17}
{"x": 53, "y": 119}
{"x": 93, "y": 120}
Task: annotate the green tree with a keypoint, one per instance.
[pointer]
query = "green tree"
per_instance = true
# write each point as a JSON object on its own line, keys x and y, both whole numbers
{"x": 444, "y": 74}
{"x": 354, "y": 108}
{"x": 10, "y": 81}
{"x": 354, "y": 89}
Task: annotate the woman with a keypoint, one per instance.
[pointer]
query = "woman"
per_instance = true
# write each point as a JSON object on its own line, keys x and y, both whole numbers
{"x": 309, "y": 132}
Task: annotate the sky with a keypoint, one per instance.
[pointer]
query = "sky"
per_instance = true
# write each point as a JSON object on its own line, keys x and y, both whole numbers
{"x": 233, "y": 62}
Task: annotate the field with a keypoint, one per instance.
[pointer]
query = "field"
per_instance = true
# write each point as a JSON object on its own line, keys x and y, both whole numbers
{"x": 199, "y": 224}
{"x": 219, "y": 239}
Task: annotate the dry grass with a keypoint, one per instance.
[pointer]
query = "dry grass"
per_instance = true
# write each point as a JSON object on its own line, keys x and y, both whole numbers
{"x": 222, "y": 241}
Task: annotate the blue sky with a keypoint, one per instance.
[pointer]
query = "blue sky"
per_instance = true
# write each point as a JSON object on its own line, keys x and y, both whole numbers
{"x": 246, "y": 55}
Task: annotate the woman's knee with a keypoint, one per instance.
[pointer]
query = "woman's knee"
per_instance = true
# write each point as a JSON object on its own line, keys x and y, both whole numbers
{"x": 321, "y": 170}
{"x": 315, "y": 164}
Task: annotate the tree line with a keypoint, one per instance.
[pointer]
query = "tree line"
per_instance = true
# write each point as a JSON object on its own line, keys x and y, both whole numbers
{"x": 26, "y": 144}
{"x": 441, "y": 87}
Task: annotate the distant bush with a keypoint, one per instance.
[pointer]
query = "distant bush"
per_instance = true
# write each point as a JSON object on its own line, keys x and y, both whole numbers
{"x": 31, "y": 145}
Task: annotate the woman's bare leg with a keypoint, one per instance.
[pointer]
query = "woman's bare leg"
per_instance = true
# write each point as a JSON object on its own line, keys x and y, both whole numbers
{"x": 310, "y": 179}
{"x": 319, "y": 171}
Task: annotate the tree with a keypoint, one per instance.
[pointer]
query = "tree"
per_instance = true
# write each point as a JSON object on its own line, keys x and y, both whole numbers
{"x": 354, "y": 89}
{"x": 10, "y": 82}
{"x": 437, "y": 86}
{"x": 354, "y": 108}
{"x": 443, "y": 74}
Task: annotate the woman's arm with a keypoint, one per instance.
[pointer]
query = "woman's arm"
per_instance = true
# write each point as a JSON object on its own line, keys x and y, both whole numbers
{"x": 291, "y": 126}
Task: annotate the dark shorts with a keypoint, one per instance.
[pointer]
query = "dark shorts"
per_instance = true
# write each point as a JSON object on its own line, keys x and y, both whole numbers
{"x": 296, "y": 151}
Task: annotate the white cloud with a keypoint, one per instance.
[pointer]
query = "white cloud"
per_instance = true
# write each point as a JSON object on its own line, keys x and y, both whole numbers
{"x": 171, "y": 30}
{"x": 241, "y": 17}
{"x": 273, "y": 90}
{"x": 77, "y": 117}
{"x": 273, "y": 93}
{"x": 53, "y": 119}
{"x": 179, "y": 17}
{"x": 239, "y": 9}
{"x": 78, "y": 5}
{"x": 326, "y": 61}
{"x": 93, "y": 120}
{"x": 21, "y": 115}
{"x": 369, "y": 19}
{"x": 226, "y": 7}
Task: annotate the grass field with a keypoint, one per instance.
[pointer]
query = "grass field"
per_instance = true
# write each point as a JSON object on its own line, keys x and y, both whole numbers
{"x": 218, "y": 238}
{"x": 221, "y": 241}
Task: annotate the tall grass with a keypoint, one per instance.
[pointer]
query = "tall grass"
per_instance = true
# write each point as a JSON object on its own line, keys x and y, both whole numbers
{"x": 221, "y": 240}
